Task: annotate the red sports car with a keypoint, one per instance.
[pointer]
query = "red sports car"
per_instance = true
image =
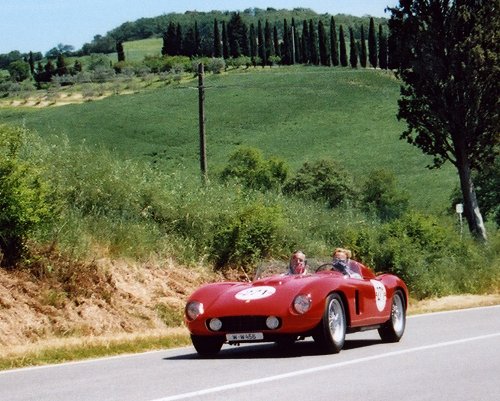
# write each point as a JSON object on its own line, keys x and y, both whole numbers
{"x": 283, "y": 307}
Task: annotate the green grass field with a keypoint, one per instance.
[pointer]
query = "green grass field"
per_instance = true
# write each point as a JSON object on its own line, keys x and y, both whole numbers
{"x": 297, "y": 113}
{"x": 136, "y": 50}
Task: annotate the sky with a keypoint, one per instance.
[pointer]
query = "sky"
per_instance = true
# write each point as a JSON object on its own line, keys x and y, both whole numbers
{"x": 40, "y": 25}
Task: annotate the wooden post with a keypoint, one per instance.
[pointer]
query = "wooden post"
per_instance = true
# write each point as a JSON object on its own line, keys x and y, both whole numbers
{"x": 201, "y": 104}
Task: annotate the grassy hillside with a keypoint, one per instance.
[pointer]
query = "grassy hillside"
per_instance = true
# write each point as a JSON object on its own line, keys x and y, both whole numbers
{"x": 297, "y": 113}
{"x": 136, "y": 50}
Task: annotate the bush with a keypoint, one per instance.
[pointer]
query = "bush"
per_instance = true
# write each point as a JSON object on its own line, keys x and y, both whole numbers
{"x": 24, "y": 203}
{"x": 215, "y": 65}
{"x": 381, "y": 196}
{"x": 252, "y": 233}
{"x": 322, "y": 180}
{"x": 249, "y": 167}
{"x": 432, "y": 259}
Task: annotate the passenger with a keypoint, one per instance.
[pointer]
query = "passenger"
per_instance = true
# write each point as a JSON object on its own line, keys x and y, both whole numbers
{"x": 298, "y": 263}
{"x": 343, "y": 263}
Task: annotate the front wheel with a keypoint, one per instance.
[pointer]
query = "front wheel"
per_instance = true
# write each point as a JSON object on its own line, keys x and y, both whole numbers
{"x": 393, "y": 329}
{"x": 207, "y": 345}
{"x": 330, "y": 334}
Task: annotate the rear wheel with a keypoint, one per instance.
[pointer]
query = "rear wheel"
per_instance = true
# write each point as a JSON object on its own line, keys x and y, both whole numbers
{"x": 393, "y": 329}
{"x": 207, "y": 345}
{"x": 330, "y": 334}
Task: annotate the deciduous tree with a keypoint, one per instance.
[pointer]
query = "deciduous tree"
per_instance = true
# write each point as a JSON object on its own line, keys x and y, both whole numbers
{"x": 450, "y": 96}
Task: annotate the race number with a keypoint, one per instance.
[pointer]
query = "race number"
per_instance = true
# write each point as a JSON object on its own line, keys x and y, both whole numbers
{"x": 380, "y": 294}
{"x": 255, "y": 293}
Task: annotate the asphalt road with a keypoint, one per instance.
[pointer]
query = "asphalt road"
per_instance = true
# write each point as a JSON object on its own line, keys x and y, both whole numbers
{"x": 442, "y": 356}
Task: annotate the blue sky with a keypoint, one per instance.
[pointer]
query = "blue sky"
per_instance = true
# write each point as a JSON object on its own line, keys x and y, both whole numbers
{"x": 40, "y": 25}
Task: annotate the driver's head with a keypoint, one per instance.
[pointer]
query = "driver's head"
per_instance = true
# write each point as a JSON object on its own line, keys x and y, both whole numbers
{"x": 298, "y": 262}
{"x": 341, "y": 254}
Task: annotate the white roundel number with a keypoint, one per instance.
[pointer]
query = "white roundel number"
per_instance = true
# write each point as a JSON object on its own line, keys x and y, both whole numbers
{"x": 255, "y": 293}
{"x": 380, "y": 294}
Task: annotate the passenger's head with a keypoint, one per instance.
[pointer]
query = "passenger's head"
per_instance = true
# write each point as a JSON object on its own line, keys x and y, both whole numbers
{"x": 298, "y": 262}
{"x": 341, "y": 254}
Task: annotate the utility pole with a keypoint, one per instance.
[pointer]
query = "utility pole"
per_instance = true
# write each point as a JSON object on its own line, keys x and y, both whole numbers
{"x": 201, "y": 107}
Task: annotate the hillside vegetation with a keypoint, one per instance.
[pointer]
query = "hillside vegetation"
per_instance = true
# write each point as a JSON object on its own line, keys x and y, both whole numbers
{"x": 297, "y": 113}
{"x": 121, "y": 182}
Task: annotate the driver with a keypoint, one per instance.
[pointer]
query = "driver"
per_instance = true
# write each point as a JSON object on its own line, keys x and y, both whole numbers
{"x": 341, "y": 262}
{"x": 298, "y": 263}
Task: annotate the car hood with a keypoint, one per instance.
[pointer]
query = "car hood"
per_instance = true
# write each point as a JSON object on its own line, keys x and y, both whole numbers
{"x": 273, "y": 295}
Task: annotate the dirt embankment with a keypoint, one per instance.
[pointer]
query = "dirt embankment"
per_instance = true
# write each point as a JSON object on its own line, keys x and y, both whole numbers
{"x": 115, "y": 298}
{"x": 103, "y": 298}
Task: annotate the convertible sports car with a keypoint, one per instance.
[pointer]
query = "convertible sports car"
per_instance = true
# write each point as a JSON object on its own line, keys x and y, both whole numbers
{"x": 281, "y": 307}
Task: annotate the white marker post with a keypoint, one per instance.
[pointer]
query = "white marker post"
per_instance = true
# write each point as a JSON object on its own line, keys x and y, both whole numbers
{"x": 459, "y": 208}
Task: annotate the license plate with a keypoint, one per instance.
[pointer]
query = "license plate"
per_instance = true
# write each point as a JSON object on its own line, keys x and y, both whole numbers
{"x": 244, "y": 337}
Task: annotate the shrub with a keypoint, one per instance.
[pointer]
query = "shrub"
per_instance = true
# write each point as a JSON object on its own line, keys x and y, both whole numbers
{"x": 381, "y": 196}
{"x": 216, "y": 65}
{"x": 432, "y": 259}
{"x": 23, "y": 195}
{"x": 322, "y": 180}
{"x": 249, "y": 167}
{"x": 252, "y": 233}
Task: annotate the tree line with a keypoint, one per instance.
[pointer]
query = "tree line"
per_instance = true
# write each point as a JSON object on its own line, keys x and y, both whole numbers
{"x": 316, "y": 40}
{"x": 308, "y": 42}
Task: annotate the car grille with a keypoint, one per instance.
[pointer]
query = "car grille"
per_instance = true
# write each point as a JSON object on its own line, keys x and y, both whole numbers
{"x": 235, "y": 324}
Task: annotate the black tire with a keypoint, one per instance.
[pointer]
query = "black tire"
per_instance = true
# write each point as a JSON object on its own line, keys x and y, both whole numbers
{"x": 330, "y": 334}
{"x": 393, "y": 329}
{"x": 207, "y": 345}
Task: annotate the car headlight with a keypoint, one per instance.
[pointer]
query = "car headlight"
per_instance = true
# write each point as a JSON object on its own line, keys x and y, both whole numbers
{"x": 194, "y": 309}
{"x": 302, "y": 303}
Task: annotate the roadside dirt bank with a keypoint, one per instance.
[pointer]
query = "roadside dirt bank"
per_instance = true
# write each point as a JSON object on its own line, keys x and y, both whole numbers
{"x": 124, "y": 302}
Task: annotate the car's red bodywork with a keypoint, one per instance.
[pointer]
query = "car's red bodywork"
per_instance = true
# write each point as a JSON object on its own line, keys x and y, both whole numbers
{"x": 242, "y": 307}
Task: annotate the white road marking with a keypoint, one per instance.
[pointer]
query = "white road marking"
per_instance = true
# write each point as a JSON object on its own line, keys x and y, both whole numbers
{"x": 321, "y": 368}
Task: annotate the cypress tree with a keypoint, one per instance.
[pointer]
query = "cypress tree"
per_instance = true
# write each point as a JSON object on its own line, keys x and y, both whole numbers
{"x": 178, "y": 50}
{"x": 31, "y": 61}
{"x": 217, "y": 52}
{"x": 334, "y": 43}
{"x": 253, "y": 43}
{"x": 323, "y": 46}
{"x": 237, "y": 35}
{"x": 343, "y": 50}
{"x": 268, "y": 40}
{"x": 372, "y": 44}
{"x": 353, "y": 55}
{"x": 49, "y": 71}
{"x": 306, "y": 54}
{"x": 362, "y": 54}
{"x": 61, "y": 68}
{"x": 276, "y": 42}
{"x": 119, "y": 50}
{"x": 262, "y": 44}
{"x": 225, "y": 43}
{"x": 382, "y": 48}
{"x": 169, "y": 40}
{"x": 313, "y": 43}
{"x": 296, "y": 43}
{"x": 286, "y": 53}
{"x": 189, "y": 43}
